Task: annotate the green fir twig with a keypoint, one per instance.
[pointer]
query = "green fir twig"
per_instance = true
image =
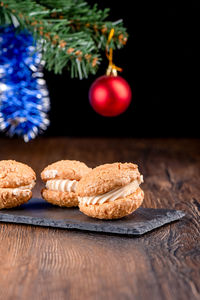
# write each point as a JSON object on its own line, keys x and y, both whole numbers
{"x": 70, "y": 33}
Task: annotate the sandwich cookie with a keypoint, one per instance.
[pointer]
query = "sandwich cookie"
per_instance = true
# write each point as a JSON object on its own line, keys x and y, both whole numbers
{"x": 16, "y": 183}
{"x": 110, "y": 191}
{"x": 61, "y": 179}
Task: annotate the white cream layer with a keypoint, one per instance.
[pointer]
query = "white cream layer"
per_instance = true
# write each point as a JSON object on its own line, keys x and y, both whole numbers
{"x": 114, "y": 194}
{"x": 62, "y": 185}
{"x": 26, "y": 189}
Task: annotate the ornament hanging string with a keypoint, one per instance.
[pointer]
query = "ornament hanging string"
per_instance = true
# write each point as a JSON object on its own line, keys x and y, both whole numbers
{"x": 110, "y": 95}
{"x": 112, "y": 68}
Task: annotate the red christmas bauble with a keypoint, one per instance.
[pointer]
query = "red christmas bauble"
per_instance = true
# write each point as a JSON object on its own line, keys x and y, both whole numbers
{"x": 110, "y": 95}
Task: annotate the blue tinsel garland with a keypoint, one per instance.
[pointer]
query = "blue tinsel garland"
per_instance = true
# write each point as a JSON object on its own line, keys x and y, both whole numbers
{"x": 24, "y": 100}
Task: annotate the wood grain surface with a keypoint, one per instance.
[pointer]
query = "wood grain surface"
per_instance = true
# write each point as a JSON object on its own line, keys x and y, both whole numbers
{"x": 42, "y": 263}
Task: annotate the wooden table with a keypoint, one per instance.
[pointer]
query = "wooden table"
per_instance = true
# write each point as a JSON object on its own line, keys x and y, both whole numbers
{"x": 41, "y": 263}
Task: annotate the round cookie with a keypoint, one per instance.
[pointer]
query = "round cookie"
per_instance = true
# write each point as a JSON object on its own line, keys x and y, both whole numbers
{"x": 61, "y": 179}
{"x": 110, "y": 191}
{"x": 16, "y": 182}
{"x": 63, "y": 199}
{"x": 107, "y": 177}
{"x": 11, "y": 197}
{"x": 65, "y": 169}
{"x": 114, "y": 210}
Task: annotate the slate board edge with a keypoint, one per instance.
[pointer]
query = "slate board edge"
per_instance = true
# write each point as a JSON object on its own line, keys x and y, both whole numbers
{"x": 175, "y": 215}
{"x": 93, "y": 228}
{"x": 57, "y": 224}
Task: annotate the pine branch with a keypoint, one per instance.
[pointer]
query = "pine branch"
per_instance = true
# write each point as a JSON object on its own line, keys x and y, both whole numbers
{"x": 69, "y": 33}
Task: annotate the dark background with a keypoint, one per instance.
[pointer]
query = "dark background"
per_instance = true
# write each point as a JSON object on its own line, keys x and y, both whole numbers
{"x": 160, "y": 64}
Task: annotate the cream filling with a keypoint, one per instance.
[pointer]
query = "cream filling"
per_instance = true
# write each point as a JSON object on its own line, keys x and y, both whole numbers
{"x": 62, "y": 185}
{"x": 114, "y": 194}
{"x": 25, "y": 189}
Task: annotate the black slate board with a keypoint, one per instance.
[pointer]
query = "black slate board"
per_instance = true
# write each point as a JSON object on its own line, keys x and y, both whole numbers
{"x": 40, "y": 213}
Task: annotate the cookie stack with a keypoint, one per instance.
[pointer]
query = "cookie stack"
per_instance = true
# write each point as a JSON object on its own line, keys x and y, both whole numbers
{"x": 16, "y": 183}
{"x": 61, "y": 180}
{"x": 109, "y": 191}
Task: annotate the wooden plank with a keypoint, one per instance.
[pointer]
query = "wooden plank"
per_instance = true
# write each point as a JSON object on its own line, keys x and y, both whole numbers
{"x": 39, "y": 263}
